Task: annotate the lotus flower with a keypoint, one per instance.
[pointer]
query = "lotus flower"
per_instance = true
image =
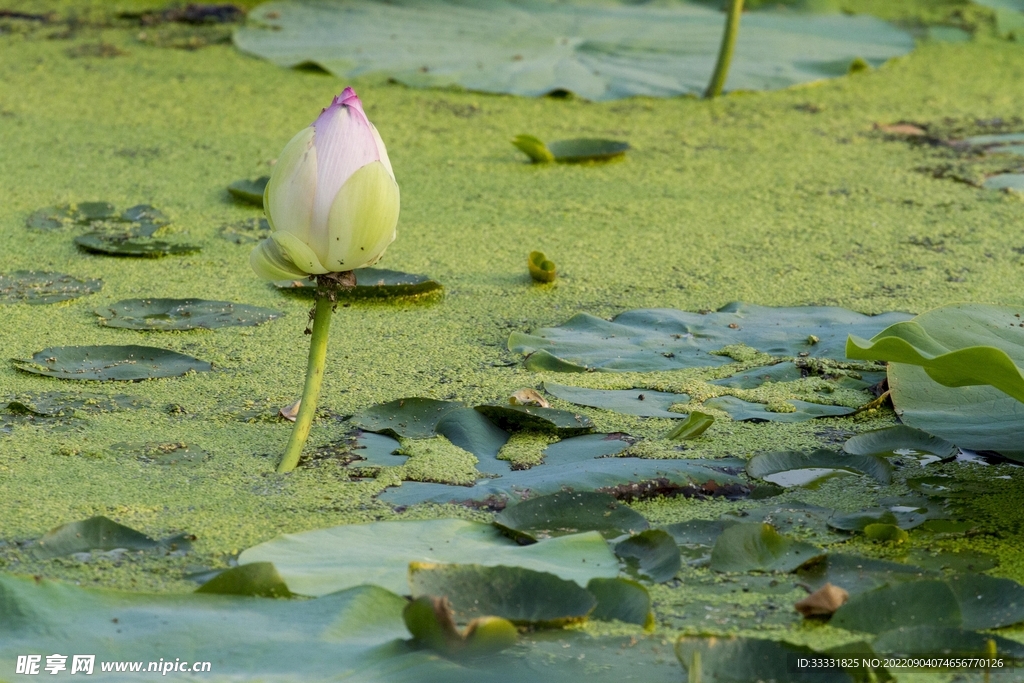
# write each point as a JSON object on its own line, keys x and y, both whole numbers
{"x": 332, "y": 200}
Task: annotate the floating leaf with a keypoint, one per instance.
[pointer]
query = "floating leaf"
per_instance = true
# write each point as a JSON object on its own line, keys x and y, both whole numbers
{"x": 988, "y": 602}
{"x": 250, "y": 191}
{"x": 621, "y": 600}
{"x": 55, "y": 404}
{"x": 1005, "y": 181}
{"x": 790, "y": 468}
{"x": 903, "y": 516}
{"x": 326, "y": 560}
{"x": 40, "y": 287}
{"x": 60, "y": 217}
{"x": 541, "y": 268}
{"x": 751, "y": 379}
{"x": 944, "y": 641}
{"x": 514, "y": 418}
{"x": 692, "y": 427}
{"x": 742, "y": 660}
{"x": 248, "y": 231}
{"x": 533, "y": 148}
{"x": 97, "y": 533}
{"x": 806, "y": 521}
{"x": 172, "y": 454}
{"x": 745, "y": 411}
{"x": 642, "y": 402}
{"x": 902, "y": 605}
{"x": 523, "y": 596}
{"x": 371, "y": 283}
{"x": 258, "y": 578}
{"x": 125, "y": 363}
{"x": 652, "y": 554}
{"x": 126, "y": 245}
{"x": 956, "y": 346}
{"x": 413, "y": 418}
{"x": 563, "y": 513}
{"x": 857, "y": 574}
{"x": 181, "y": 314}
{"x": 471, "y": 431}
{"x": 666, "y": 339}
{"x": 962, "y": 561}
{"x": 614, "y": 51}
{"x": 900, "y": 438}
{"x": 759, "y": 547}
{"x": 586, "y": 447}
{"x": 696, "y": 537}
{"x": 569, "y": 151}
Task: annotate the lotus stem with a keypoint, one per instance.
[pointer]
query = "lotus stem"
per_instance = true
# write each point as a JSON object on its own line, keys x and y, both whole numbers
{"x": 326, "y": 296}
{"x": 732, "y": 27}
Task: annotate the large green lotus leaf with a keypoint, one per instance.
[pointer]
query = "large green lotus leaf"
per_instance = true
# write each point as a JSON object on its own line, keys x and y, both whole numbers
{"x": 667, "y": 339}
{"x": 39, "y": 287}
{"x": 66, "y": 404}
{"x": 567, "y": 512}
{"x": 857, "y": 574}
{"x": 899, "y": 438}
{"x": 523, "y": 596}
{"x": 759, "y": 547}
{"x": 414, "y": 418}
{"x": 371, "y": 283}
{"x": 471, "y": 431}
{"x": 775, "y": 466}
{"x": 988, "y": 602}
{"x": 944, "y": 641}
{"x": 586, "y": 447}
{"x": 746, "y": 411}
{"x": 900, "y": 605}
{"x": 126, "y": 244}
{"x": 327, "y": 560}
{"x": 622, "y": 477}
{"x": 621, "y": 600}
{"x": 802, "y": 520}
{"x": 651, "y": 555}
{"x": 244, "y": 638}
{"x": 125, "y": 363}
{"x": 640, "y": 402}
{"x": 534, "y": 48}
{"x": 744, "y": 660}
{"x": 181, "y": 314}
{"x": 696, "y": 537}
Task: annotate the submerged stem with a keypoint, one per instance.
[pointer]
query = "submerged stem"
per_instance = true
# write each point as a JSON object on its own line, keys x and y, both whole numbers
{"x": 326, "y": 295}
{"x": 732, "y": 27}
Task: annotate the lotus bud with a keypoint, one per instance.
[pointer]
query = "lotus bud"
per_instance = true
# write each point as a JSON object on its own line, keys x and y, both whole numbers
{"x": 332, "y": 200}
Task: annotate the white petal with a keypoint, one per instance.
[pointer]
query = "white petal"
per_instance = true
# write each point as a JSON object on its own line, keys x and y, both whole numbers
{"x": 363, "y": 218}
{"x": 288, "y": 199}
{"x": 383, "y": 151}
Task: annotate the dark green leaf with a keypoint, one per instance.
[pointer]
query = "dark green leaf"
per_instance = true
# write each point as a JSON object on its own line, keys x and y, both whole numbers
{"x": 127, "y": 245}
{"x": 943, "y": 641}
{"x": 912, "y": 603}
{"x": 586, "y": 447}
{"x": 470, "y": 430}
{"x": 53, "y": 218}
{"x": 39, "y": 287}
{"x": 745, "y": 411}
{"x": 900, "y": 438}
{"x": 414, "y": 418}
{"x": 988, "y": 602}
{"x": 587, "y": 149}
{"x": 856, "y": 574}
{"x": 523, "y": 596}
{"x": 809, "y": 522}
{"x": 960, "y": 562}
{"x": 621, "y": 600}
{"x": 95, "y": 533}
{"x": 53, "y": 404}
{"x": 146, "y": 220}
{"x": 371, "y": 283}
{"x": 642, "y": 402}
{"x": 250, "y": 191}
{"x": 327, "y": 560}
{"x": 908, "y": 516}
{"x": 616, "y": 50}
{"x": 248, "y": 231}
{"x": 541, "y": 268}
{"x": 559, "y": 514}
{"x": 751, "y": 379}
{"x": 514, "y": 418}
{"x": 126, "y": 363}
{"x": 759, "y": 547}
{"x": 666, "y": 339}
{"x": 697, "y": 532}
{"x": 181, "y": 314}
{"x": 651, "y": 554}
{"x": 692, "y": 427}
{"x": 792, "y": 468}
{"x": 258, "y": 578}
{"x": 744, "y": 660}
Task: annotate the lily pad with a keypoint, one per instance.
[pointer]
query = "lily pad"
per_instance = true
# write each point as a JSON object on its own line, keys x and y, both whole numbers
{"x": 962, "y": 562}
{"x": 898, "y": 439}
{"x": 541, "y": 268}
{"x": 258, "y": 578}
{"x": 621, "y": 600}
{"x": 564, "y": 513}
{"x": 597, "y": 52}
{"x": 248, "y": 231}
{"x": 651, "y": 554}
{"x": 955, "y": 373}
{"x": 784, "y": 467}
{"x": 802, "y": 520}
{"x": 250, "y": 191}
{"x": 586, "y": 447}
{"x": 372, "y": 283}
{"x": 514, "y": 418}
{"x": 857, "y": 574}
{"x": 523, "y": 596}
{"x": 471, "y": 431}
{"x": 741, "y": 660}
{"x": 143, "y": 220}
{"x": 326, "y": 560}
{"x": 181, "y": 314}
{"x": 746, "y": 411}
{"x": 570, "y": 151}
{"x": 904, "y": 517}
{"x": 1005, "y": 181}
{"x": 642, "y": 402}
{"x": 41, "y": 287}
{"x": 647, "y": 340}
{"x": 413, "y": 418}
{"x": 988, "y": 602}
{"x": 759, "y": 547}
{"x": 692, "y": 427}
{"x": 55, "y": 404}
{"x": 902, "y": 605}
{"x": 98, "y": 533}
{"x": 698, "y": 534}
{"x": 127, "y": 245}
{"x": 99, "y": 363}
{"x": 753, "y": 378}
{"x": 945, "y": 641}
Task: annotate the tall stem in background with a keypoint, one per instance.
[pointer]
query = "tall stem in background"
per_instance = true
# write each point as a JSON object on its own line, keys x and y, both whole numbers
{"x": 732, "y": 27}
